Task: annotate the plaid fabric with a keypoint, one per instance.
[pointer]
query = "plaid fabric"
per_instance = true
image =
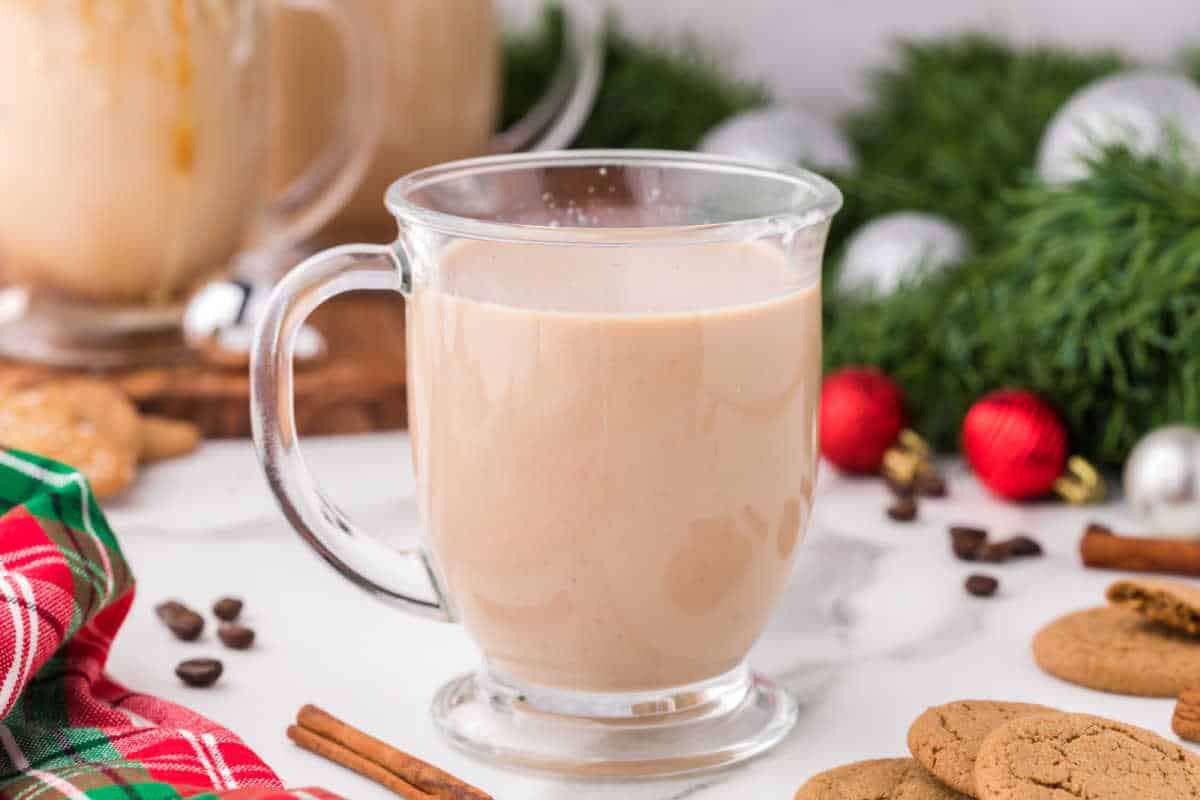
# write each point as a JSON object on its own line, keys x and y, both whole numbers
{"x": 67, "y": 730}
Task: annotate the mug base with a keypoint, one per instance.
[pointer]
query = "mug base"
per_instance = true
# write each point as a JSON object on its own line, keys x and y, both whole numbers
{"x": 690, "y": 729}
{"x": 43, "y": 331}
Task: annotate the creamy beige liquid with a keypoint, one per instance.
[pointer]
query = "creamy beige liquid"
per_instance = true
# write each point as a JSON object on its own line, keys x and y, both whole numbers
{"x": 615, "y": 451}
{"x": 132, "y": 142}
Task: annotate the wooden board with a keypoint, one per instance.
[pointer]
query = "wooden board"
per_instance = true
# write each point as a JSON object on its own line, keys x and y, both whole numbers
{"x": 358, "y": 387}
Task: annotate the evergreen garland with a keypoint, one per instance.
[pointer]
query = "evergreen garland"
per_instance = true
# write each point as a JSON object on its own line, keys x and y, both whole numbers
{"x": 953, "y": 123}
{"x": 653, "y": 96}
{"x": 1093, "y": 300}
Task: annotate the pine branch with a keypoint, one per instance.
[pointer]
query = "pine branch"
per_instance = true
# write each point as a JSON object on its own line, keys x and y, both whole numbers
{"x": 1092, "y": 300}
{"x": 653, "y": 95}
{"x": 954, "y": 123}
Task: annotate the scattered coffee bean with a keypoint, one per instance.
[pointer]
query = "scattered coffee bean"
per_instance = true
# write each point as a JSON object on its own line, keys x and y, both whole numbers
{"x": 167, "y": 608}
{"x": 234, "y": 636}
{"x": 930, "y": 484}
{"x": 995, "y": 552}
{"x": 982, "y": 585}
{"x": 898, "y": 488}
{"x": 227, "y": 609}
{"x": 199, "y": 672}
{"x": 967, "y": 541}
{"x": 183, "y": 622}
{"x": 903, "y": 510}
{"x": 1024, "y": 546}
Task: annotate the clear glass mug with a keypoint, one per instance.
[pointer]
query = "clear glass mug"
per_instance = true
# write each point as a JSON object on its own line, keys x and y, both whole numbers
{"x": 134, "y": 145}
{"x": 613, "y": 375}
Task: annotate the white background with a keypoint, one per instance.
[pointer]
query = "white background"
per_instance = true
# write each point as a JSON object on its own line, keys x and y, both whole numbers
{"x": 815, "y": 52}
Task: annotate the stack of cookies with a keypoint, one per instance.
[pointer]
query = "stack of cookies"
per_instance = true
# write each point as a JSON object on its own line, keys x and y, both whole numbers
{"x": 88, "y": 424}
{"x": 1145, "y": 642}
{"x": 994, "y": 750}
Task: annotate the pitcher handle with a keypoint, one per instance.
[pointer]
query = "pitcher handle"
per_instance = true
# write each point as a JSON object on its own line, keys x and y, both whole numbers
{"x": 556, "y": 119}
{"x": 317, "y": 194}
{"x": 403, "y": 577}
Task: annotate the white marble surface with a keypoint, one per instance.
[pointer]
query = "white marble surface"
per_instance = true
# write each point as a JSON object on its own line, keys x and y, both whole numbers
{"x": 875, "y": 627}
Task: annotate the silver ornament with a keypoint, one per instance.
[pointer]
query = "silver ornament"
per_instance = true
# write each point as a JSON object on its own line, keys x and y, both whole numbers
{"x": 1162, "y": 481}
{"x": 778, "y": 135}
{"x": 1138, "y": 108}
{"x": 897, "y": 248}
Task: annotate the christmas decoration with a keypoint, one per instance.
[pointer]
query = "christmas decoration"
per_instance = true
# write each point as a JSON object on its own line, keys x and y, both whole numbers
{"x": 781, "y": 135}
{"x": 952, "y": 123}
{"x": 862, "y": 414}
{"x": 1092, "y": 299}
{"x": 898, "y": 248}
{"x": 1162, "y": 480}
{"x": 1142, "y": 109}
{"x": 1016, "y": 444}
{"x": 652, "y": 96}
{"x": 908, "y": 467}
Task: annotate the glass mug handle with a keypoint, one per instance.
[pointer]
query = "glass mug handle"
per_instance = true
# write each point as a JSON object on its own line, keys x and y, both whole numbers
{"x": 402, "y": 577}
{"x": 556, "y": 119}
{"x": 314, "y": 196}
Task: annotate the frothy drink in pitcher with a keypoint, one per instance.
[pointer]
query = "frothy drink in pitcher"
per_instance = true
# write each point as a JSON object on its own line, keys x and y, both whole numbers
{"x": 616, "y": 451}
{"x": 441, "y": 76}
{"x": 132, "y": 143}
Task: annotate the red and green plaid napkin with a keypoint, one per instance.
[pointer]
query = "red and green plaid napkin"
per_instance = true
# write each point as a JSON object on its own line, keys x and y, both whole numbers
{"x": 67, "y": 730}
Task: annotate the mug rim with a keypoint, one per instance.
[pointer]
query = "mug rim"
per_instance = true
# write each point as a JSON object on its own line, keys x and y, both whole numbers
{"x": 825, "y": 199}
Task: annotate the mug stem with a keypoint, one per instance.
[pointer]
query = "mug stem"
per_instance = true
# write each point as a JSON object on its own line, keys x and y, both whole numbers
{"x": 403, "y": 577}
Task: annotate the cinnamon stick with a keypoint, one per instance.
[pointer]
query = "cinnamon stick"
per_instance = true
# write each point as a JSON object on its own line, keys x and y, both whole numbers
{"x": 421, "y": 775}
{"x": 1102, "y": 548}
{"x": 333, "y": 751}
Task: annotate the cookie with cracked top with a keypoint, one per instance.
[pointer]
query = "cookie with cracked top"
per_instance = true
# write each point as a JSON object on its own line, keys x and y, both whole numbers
{"x": 1079, "y": 756}
{"x": 878, "y": 779}
{"x": 946, "y": 739}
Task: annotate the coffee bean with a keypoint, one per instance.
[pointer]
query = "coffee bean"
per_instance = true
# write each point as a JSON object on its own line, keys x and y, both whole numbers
{"x": 903, "y": 510}
{"x": 930, "y": 484}
{"x": 234, "y": 636}
{"x": 227, "y": 608}
{"x": 898, "y": 488}
{"x": 966, "y": 541}
{"x": 168, "y": 608}
{"x": 1024, "y": 546}
{"x": 182, "y": 621}
{"x": 199, "y": 672}
{"x": 995, "y": 552}
{"x": 982, "y": 585}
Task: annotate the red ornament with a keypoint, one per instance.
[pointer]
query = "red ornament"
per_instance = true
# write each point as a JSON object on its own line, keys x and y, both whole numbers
{"x": 1015, "y": 443}
{"x": 862, "y": 414}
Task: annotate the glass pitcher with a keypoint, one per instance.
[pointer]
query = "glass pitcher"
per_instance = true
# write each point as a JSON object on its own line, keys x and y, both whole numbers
{"x": 134, "y": 145}
{"x": 441, "y": 76}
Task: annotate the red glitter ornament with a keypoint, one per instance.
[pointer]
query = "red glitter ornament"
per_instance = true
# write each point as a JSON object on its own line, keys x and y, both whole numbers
{"x": 1015, "y": 443}
{"x": 862, "y": 414}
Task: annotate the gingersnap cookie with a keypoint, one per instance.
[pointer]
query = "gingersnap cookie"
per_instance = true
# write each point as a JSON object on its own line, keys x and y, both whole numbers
{"x": 1186, "y": 719}
{"x": 880, "y": 779}
{"x": 163, "y": 438}
{"x": 1116, "y": 650}
{"x": 1172, "y": 603}
{"x": 946, "y": 739}
{"x": 96, "y": 402}
{"x": 83, "y": 423}
{"x": 1069, "y": 756}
